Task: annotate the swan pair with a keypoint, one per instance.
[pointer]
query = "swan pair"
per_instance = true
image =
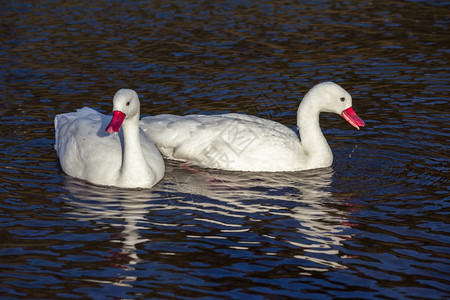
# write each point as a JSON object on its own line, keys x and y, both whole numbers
{"x": 89, "y": 147}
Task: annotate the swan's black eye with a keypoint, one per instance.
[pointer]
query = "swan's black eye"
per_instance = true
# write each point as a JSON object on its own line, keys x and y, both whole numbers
{"x": 342, "y": 99}
{"x": 128, "y": 103}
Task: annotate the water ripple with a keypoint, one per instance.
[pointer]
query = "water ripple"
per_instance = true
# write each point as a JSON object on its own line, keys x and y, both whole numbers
{"x": 371, "y": 226}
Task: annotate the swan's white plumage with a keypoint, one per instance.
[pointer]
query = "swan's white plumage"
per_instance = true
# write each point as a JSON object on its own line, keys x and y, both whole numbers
{"x": 248, "y": 143}
{"x": 229, "y": 141}
{"x": 88, "y": 152}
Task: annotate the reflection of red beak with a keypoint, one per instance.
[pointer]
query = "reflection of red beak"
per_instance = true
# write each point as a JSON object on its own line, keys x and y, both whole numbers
{"x": 116, "y": 122}
{"x": 350, "y": 116}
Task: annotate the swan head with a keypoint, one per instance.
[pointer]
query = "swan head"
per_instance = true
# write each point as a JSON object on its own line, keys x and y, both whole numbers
{"x": 125, "y": 106}
{"x": 330, "y": 97}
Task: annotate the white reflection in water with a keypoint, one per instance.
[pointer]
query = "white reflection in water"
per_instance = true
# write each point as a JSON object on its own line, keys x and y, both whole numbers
{"x": 128, "y": 207}
{"x": 301, "y": 196}
{"x": 235, "y": 203}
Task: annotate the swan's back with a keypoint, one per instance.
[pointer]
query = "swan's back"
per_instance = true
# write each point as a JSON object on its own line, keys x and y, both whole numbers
{"x": 227, "y": 141}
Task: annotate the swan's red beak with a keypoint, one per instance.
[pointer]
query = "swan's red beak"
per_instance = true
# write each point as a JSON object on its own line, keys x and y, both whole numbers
{"x": 116, "y": 122}
{"x": 350, "y": 116}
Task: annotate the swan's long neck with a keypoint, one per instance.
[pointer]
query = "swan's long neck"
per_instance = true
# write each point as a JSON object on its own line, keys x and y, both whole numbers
{"x": 316, "y": 151}
{"x": 134, "y": 168}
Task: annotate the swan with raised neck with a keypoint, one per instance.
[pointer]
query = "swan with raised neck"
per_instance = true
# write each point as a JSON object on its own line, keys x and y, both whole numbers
{"x": 241, "y": 142}
{"x": 89, "y": 147}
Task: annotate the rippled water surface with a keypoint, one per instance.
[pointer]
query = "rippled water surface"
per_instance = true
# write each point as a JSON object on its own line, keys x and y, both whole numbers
{"x": 374, "y": 225}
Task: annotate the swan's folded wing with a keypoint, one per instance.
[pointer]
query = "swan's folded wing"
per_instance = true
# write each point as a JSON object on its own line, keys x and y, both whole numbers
{"x": 81, "y": 141}
{"x": 169, "y": 131}
{"x": 229, "y": 141}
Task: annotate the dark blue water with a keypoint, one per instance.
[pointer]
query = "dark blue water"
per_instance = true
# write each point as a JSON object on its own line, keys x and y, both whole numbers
{"x": 374, "y": 225}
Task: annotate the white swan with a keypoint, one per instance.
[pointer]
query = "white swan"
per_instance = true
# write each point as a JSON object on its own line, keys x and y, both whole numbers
{"x": 246, "y": 143}
{"x": 89, "y": 148}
